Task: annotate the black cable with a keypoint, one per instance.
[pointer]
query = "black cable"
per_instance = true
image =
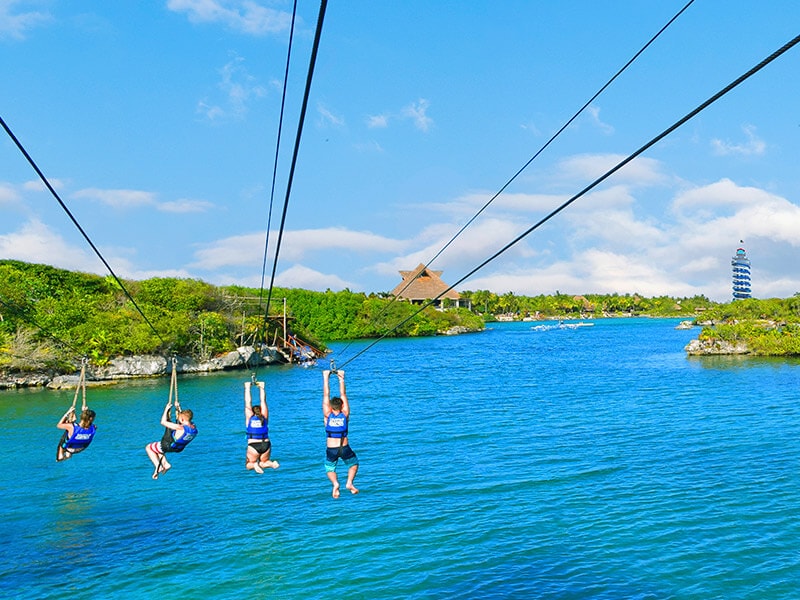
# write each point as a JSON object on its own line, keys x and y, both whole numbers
{"x": 312, "y": 62}
{"x": 277, "y": 153}
{"x": 786, "y": 47}
{"x": 536, "y": 155}
{"x": 272, "y": 188}
{"x": 74, "y": 220}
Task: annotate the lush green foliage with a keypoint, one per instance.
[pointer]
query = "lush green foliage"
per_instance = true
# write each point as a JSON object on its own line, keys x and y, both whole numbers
{"x": 584, "y": 306}
{"x": 768, "y": 327}
{"x": 48, "y": 315}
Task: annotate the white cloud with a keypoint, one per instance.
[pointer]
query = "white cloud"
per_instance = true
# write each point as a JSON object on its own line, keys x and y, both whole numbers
{"x": 752, "y": 146}
{"x": 185, "y": 206}
{"x": 594, "y": 271}
{"x": 209, "y": 111}
{"x": 248, "y": 249}
{"x": 37, "y": 243}
{"x": 16, "y": 25}
{"x": 238, "y": 250}
{"x": 702, "y": 201}
{"x": 532, "y": 128}
{"x": 243, "y": 16}
{"x": 619, "y": 228}
{"x": 615, "y": 240}
{"x": 239, "y": 89}
{"x": 466, "y": 206}
{"x": 594, "y": 117}
{"x": 618, "y": 241}
{"x": 478, "y": 242}
{"x": 378, "y": 121}
{"x": 8, "y": 194}
{"x": 301, "y": 243}
{"x": 328, "y": 118}
{"x": 417, "y": 112}
{"x": 588, "y": 167}
{"x": 37, "y": 185}
{"x": 118, "y": 198}
{"x": 129, "y": 199}
{"x": 298, "y": 276}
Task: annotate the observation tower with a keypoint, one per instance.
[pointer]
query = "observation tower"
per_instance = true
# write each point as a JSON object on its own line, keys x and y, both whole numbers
{"x": 741, "y": 273}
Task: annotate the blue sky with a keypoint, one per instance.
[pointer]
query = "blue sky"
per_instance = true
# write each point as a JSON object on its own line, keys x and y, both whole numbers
{"x": 156, "y": 122}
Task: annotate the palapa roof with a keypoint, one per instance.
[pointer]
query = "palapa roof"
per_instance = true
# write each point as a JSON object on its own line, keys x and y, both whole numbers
{"x": 423, "y": 284}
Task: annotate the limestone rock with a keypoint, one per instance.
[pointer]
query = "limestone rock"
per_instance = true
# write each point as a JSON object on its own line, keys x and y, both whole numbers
{"x": 715, "y": 347}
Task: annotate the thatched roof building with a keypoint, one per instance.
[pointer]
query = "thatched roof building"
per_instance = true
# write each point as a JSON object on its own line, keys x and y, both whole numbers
{"x": 422, "y": 284}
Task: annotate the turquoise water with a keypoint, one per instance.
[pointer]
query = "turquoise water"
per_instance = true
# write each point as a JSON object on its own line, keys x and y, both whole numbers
{"x": 594, "y": 463}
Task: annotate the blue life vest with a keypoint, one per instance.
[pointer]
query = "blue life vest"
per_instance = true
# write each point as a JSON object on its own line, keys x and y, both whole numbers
{"x": 336, "y": 425}
{"x": 257, "y": 428}
{"x": 179, "y": 444}
{"x": 80, "y": 438}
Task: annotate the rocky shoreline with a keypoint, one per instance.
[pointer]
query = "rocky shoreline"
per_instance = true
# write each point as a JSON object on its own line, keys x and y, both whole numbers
{"x": 715, "y": 348}
{"x": 138, "y": 367}
{"x": 150, "y": 366}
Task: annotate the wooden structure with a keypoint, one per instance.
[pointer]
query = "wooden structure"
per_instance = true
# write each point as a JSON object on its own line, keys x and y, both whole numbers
{"x": 423, "y": 284}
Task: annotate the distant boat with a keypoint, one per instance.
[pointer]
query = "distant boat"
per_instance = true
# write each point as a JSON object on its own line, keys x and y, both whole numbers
{"x": 562, "y": 325}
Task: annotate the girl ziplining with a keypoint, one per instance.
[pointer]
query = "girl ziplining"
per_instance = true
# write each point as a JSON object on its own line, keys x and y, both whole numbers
{"x": 256, "y": 417}
{"x": 177, "y": 435}
{"x": 78, "y": 433}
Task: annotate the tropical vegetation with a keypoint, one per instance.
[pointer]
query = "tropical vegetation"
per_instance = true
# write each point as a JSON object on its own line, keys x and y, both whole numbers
{"x": 49, "y": 317}
{"x": 768, "y": 327}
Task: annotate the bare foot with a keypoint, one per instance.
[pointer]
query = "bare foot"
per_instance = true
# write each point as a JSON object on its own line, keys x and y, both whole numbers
{"x": 336, "y": 491}
{"x": 257, "y": 468}
{"x": 270, "y": 464}
{"x": 353, "y": 489}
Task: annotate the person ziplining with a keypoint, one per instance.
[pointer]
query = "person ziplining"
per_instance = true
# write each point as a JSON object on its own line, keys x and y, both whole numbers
{"x": 256, "y": 418}
{"x": 78, "y": 433}
{"x": 177, "y": 435}
{"x": 336, "y": 414}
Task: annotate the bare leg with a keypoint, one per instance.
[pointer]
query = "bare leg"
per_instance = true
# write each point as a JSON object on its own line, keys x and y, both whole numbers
{"x": 351, "y": 475}
{"x": 266, "y": 463}
{"x": 251, "y": 462}
{"x": 335, "y": 482}
{"x": 160, "y": 463}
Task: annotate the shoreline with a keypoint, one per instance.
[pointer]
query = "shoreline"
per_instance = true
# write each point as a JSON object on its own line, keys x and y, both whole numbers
{"x": 126, "y": 368}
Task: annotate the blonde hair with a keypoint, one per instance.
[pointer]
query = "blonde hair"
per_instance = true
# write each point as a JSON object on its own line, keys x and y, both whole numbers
{"x": 87, "y": 416}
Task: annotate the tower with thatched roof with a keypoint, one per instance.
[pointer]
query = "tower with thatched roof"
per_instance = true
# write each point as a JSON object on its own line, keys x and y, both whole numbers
{"x": 423, "y": 284}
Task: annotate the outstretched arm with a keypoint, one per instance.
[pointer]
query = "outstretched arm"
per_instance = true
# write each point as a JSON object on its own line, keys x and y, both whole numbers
{"x": 326, "y": 393}
{"x": 248, "y": 406}
{"x": 263, "y": 395}
{"x": 343, "y": 394}
{"x": 84, "y": 406}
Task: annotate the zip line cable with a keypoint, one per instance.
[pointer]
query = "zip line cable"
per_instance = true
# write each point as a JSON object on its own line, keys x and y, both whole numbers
{"x": 785, "y": 48}
{"x": 277, "y": 153}
{"x": 274, "y": 178}
{"x": 75, "y": 222}
{"x": 317, "y": 35}
{"x": 536, "y": 155}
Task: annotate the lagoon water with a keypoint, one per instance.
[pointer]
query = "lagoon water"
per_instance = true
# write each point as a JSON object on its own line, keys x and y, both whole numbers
{"x": 598, "y": 463}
